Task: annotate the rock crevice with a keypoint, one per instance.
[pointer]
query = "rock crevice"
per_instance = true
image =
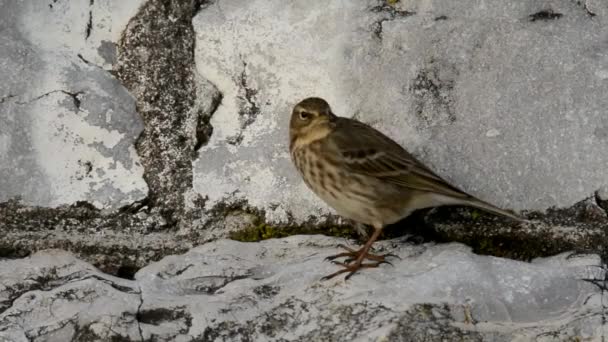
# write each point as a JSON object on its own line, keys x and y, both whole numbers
{"x": 156, "y": 63}
{"x": 281, "y": 297}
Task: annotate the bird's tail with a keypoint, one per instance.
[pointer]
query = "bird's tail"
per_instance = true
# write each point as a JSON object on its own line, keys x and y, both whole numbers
{"x": 476, "y": 203}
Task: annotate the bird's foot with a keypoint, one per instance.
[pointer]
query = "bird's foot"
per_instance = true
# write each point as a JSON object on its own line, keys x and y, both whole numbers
{"x": 352, "y": 268}
{"x": 354, "y": 261}
{"x": 353, "y": 255}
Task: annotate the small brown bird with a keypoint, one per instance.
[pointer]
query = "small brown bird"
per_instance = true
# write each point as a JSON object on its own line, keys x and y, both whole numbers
{"x": 365, "y": 176}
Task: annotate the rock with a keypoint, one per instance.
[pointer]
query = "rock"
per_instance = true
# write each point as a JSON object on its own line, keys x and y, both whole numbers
{"x": 506, "y": 100}
{"x": 67, "y": 126}
{"x": 52, "y": 296}
{"x": 155, "y": 62}
{"x": 601, "y": 197}
{"x": 232, "y": 291}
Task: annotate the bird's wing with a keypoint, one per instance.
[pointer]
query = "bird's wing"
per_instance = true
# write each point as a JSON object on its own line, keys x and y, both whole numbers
{"x": 366, "y": 151}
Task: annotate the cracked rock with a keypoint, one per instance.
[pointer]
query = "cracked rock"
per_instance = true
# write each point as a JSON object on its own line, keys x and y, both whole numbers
{"x": 53, "y": 296}
{"x": 601, "y": 197}
{"x": 156, "y": 63}
{"x": 67, "y": 127}
{"x": 506, "y": 101}
{"x": 509, "y": 107}
{"x": 233, "y": 291}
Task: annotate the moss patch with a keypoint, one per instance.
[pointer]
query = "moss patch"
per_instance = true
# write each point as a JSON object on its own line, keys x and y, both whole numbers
{"x": 263, "y": 231}
{"x": 583, "y": 230}
{"x": 580, "y": 229}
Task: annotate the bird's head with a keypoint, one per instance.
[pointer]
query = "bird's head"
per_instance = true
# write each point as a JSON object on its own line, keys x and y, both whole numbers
{"x": 311, "y": 119}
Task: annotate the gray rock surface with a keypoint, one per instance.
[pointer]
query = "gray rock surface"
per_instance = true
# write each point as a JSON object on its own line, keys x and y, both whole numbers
{"x": 67, "y": 126}
{"x": 52, "y": 296}
{"x": 156, "y": 63}
{"x": 270, "y": 291}
{"x": 505, "y": 99}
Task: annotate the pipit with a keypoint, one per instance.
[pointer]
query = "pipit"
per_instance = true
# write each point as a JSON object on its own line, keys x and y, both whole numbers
{"x": 365, "y": 176}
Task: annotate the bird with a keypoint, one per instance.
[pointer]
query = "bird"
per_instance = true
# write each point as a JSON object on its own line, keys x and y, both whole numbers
{"x": 365, "y": 176}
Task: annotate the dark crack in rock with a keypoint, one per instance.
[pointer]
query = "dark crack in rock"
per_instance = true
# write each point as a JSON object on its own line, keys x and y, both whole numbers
{"x": 158, "y": 316}
{"x": 388, "y": 13}
{"x": 213, "y": 284}
{"x": 331, "y": 323}
{"x": 130, "y": 238}
{"x": 6, "y": 98}
{"x": 433, "y": 99}
{"x": 66, "y": 289}
{"x": 249, "y": 109}
{"x": 582, "y": 228}
{"x": 155, "y": 62}
{"x": 545, "y": 15}
{"x": 583, "y": 4}
{"x": 89, "y": 28}
{"x": 203, "y": 127}
{"x": 601, "y": 197}
{"x": 46, "y": 281}
{"x": 428, "y": 322}
{"x": 266, "y": 291}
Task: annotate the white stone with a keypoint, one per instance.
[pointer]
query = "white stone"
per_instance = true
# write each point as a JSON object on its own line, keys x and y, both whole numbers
{"x": 603, "y": 74}
{"x": 602, "y": 193}
{"x": 433, "y": 85}
{"x": 56, "y": 297}
{"x": 272, "y": 290}
{"x": 67, "y": 126}
{"x": 492, "y": 133}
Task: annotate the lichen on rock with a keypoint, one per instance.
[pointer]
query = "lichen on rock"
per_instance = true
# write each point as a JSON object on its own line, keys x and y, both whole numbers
{"x": 499, "y": 99}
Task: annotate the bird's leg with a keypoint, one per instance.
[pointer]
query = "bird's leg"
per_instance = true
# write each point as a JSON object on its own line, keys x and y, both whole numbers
{"x": 352, "y": 254}
{"x": 361, "y": 254}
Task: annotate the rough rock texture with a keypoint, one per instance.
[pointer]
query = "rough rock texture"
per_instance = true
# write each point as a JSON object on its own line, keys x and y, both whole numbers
{"x": 156, "y": 63}
{"x": 122, "y": 242}
{"x": 505, "y": 99}
{"x": 119, "y": 243}
{"x": 270, "y": 291}
{"x": 67, "y": 127}
{"x": 53, "y": 296}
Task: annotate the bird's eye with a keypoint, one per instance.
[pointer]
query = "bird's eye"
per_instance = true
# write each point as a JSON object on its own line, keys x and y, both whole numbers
{"x": 305, "y": 115}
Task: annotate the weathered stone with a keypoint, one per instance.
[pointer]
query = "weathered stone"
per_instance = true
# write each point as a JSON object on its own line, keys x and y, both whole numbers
{"x": 505, "y": 99}
{"x": 271, "y": 291}
{"x": 474, "y": 88}
{"x": 67, "y": 127}
{"x": 601, "y": 196}
{"x": 53, "y": 296}
{"x": 117, "y": 243}
{"x": 156, "y": 63}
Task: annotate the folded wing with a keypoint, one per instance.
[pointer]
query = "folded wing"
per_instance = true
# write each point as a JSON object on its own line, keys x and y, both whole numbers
{"x": 369, "y": 152}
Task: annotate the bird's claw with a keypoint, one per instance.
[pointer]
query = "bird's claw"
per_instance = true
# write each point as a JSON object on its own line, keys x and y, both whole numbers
{"x": 351, "y": 269}
{"x": 352, "y": 255}
{"x": 346, "y": 263}
{"x": 391, "y": 255}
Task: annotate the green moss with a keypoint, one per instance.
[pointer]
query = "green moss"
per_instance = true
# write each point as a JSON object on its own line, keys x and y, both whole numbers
{"x": 264, "y": 231}
{"x": 515, "y": 245}
{"x": 508, "y": 240}
{"x": 485, "y": 233}
{"x": 475, "y": 214}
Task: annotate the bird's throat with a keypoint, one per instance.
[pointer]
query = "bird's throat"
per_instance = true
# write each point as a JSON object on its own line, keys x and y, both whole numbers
{"x": 308, "y": 135}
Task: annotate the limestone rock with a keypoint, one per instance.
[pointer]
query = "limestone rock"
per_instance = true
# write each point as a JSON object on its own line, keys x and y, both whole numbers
{"x": 271, "y": 291}
{"x": 504, "y": 99}
{"x": 67, "y": 126}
